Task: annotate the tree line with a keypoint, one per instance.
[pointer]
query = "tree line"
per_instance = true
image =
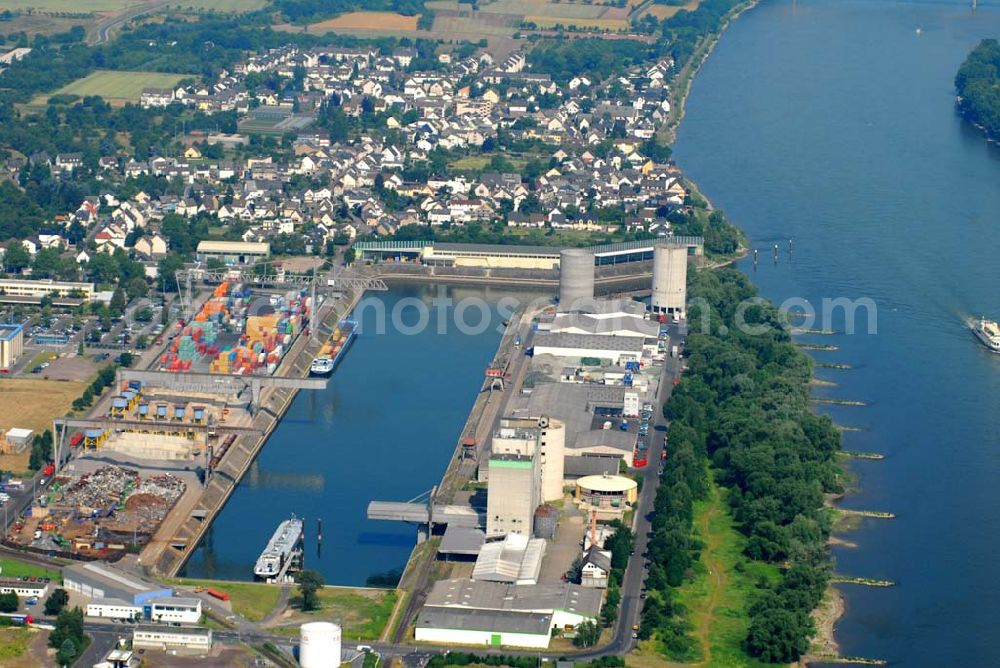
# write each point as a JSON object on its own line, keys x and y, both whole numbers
{"x": 978, "y": 86}
{"x": 742, "y": 409}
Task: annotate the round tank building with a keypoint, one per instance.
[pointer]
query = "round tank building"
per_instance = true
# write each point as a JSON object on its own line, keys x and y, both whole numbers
{"x": 606, "y": 491}
{"x": 576, "y": 278}
{"x": 319, "y": 645}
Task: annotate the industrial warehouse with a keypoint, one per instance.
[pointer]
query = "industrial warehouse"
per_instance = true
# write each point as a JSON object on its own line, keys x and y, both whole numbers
{"x": 562, "y": 465}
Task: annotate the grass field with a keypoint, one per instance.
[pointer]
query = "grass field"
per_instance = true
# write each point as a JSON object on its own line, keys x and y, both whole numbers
{"x": 367, "y": 21}
{"x": 249, "y": 599}
{"x": 31, "y": 403}
{"x": 11, "y": 568}
{"x": 718, "y": 595}
{"x": 478, "y": 163}
{"x": 114, "y": 86}
{"x": 14, "y": 643}
{"x": 362, "y": 613}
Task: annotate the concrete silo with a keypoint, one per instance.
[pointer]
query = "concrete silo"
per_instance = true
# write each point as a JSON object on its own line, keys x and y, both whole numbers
{"x": 319, "y": 645}
{"x": 552, "y": 451}
{"x": 576, "y": 278}
{"x": 669, "y": 280}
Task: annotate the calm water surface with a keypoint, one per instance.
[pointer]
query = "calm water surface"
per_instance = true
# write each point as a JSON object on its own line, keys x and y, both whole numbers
{"x": 832, "y": 123}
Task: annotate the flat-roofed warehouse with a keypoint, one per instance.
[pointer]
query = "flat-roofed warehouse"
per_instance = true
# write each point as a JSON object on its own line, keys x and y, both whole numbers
{"x": 617, "y": 349}
{"x": 233, "y": 252}
{"x": 569, "y": 604}
{"x": 486, "y": 628}
{"x": 511, "y": 256}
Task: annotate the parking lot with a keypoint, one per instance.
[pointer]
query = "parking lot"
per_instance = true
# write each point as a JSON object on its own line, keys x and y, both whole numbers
{"x": 52, "y": 340}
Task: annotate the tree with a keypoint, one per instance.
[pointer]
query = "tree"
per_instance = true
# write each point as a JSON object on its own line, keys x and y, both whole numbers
{"x": 56, "y": 601}
{"x": 118, "y": 302}
{"x": 309, "y": 583}
{"x": 8, "y": 602}
{"x": 67, "y": 652}
{"x": 136, "y": 287}
{"x": 16, "y": 257}
{"x": 169, "y": 265}
{"x": 587, "y": 634}
{"x": 349, "y": 255}
{"x": 69, "y": 625}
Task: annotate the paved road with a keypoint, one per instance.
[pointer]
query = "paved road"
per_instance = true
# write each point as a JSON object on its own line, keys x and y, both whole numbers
{"x": 112, "y": 23}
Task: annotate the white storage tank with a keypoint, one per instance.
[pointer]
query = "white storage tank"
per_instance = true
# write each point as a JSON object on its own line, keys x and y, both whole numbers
{"x": 319, "y": 645}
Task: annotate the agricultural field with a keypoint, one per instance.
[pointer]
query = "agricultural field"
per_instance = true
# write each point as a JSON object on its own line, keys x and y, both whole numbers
{"x": 542, "y": 8}
{"x": 115, "y": 87}
{"x": 43, "y": 24}
{"x": 367, "y": 21}
{"x": 31, "y": 403}
{"x": 223, "y": 6}
{"x": 82, "y": 6}
{"x": 547, "y": 22}
{"x": 666, "y": 11}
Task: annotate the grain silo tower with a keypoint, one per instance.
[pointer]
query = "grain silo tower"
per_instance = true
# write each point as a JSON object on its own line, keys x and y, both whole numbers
{"x": 319, "y": 645}
{"x": 576, "y": 278}
{"x": 552, "y": 454}
{"x": 669, "y": 280}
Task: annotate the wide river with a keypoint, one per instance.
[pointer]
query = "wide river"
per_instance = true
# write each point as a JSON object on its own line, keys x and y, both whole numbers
{"x": 832, "y": 123}
{"x": 385, "y": 428}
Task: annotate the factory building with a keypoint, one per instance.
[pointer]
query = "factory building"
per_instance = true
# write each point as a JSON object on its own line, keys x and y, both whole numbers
{"x": 195, "y": 640}
{"x": 24, "y": 589}
{"x": 513, "y": 493}
{"x": 11, "y": 344}
{"x": 100, "y": 583}
{"x": 670, "y": 280}
{"x": 523, "y": 436}
{"x": 505, "y": 256}
{"x": 485, "y": 628}
{"x": 576, "y": 279}
{"x": 16, "y": 287}
{"x": 113, "y": 608}
{"x": 514, "y": 559}
{"x": 605, "y": 317}
{"x": 233, "y": 252}
{"x": 179, "y": 610}
{"x": 616, "y": 349}
{"x": 569, "y": 604}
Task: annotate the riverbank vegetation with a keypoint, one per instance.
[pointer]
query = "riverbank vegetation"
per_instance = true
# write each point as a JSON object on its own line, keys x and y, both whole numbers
{"x": 740, "y": 418}
{"x": 978, "y": 86}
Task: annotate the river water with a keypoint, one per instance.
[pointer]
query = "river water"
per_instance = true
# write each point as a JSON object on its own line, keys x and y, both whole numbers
{"x": 832, "y": 123}
{"x": 385, "y": 428}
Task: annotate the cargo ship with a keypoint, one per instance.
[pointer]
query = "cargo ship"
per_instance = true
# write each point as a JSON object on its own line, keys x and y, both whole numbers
{"x": 284, "y": 547}
{"x": 333, "y": 350}
{"x": 988, "y": 333}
